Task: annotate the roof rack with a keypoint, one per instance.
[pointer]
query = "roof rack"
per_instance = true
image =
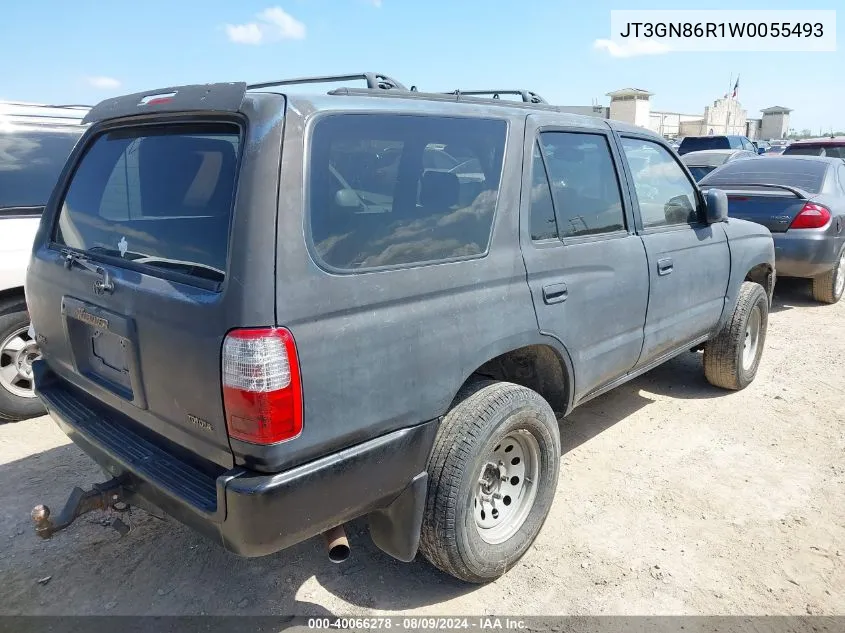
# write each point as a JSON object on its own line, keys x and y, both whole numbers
{"x": 527, "y": 96}
{"x": 459, "y": 97}
{"x": 375, "y": 81}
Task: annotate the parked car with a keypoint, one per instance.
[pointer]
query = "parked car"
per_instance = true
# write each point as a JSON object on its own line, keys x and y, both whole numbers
{"x": 801, "y": 200}
{"x": 777, "y": 146}
{"x": 833, "y": 147}
{"x": 761, "y": 146}
{"x": 35, "y": 141}
{"x": 704, "y": 161}
{"x": 268, "y": 366}
{"x": 698, "y": 143}
{"x": 775, "y": 150}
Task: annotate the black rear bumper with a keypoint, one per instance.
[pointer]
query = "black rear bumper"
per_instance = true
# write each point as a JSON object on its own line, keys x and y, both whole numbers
{"x": 251, "y": 513}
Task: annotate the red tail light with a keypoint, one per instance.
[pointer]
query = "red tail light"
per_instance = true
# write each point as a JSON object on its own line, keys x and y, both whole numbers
{"x": 812, "y": 216}
{"x": 262, "y": 391}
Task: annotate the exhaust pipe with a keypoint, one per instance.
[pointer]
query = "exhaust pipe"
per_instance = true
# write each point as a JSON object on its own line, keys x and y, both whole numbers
{"x": 337, "y": 544}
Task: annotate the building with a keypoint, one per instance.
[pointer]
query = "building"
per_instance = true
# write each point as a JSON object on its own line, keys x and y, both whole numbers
{"x": 631, "y": 105}
{"x": 723, "y": 116}
{"x": 775, "y": 122}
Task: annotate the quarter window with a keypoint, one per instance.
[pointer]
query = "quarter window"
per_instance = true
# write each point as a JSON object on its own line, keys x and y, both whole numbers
{"x": 389, "y": 190}
{"x": 584, "y": 184}
{"x": 666, "y": 196}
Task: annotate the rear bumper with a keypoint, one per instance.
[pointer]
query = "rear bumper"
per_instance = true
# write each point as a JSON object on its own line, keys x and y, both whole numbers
{"x": 804, "y": 254}
{"x": 250, "y": 513}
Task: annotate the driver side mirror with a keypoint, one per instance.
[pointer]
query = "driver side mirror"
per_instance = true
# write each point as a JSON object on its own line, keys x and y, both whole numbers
{"x": 761, "y": 150}
{"x": 716, "y": 203}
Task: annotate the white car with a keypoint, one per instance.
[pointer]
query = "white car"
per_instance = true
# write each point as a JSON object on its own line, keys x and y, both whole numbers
{"x": 35, "y": 141}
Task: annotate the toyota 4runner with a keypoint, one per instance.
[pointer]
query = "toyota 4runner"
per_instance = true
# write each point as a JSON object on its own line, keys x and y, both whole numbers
{"x": 267, "y": 314}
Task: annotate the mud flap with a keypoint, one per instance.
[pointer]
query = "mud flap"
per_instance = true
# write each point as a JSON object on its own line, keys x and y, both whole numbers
{"x": 396, "y": 529}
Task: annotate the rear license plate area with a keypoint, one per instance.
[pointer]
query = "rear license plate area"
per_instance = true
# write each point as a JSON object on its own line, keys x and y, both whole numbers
{"x": 103, "y": 347}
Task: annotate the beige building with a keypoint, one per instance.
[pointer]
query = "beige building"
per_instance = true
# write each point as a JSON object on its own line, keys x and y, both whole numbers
{"x": 723, "y": 116}
{"x": 631, "y": 105}
{"x": 775, "y": 122}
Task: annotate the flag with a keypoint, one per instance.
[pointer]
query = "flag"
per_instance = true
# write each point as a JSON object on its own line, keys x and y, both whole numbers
{"x": 736, "y": 88}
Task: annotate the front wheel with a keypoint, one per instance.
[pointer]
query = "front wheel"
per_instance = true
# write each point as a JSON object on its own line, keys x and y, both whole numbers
{"x": 828, "y": 288}
{"x": 492, "y": 479}
{"x": 731, "y": 358}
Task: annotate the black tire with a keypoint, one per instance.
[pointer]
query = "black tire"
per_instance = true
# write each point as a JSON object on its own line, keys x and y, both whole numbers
{"x": 12, "y": 406}
{"x": 483, "y": 414}
{"x": 723, "y": 355}
{"x": 824, "y": 287}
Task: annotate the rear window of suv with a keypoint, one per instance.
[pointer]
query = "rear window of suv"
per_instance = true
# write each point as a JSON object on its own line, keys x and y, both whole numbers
{"x": 695, "y": 144}
{"x": 158, "y": 196}
{"x": 808, "y": 149}
{"x": 31, "y": 159}
{"x": 801, "y": 173}
{"x": 392, "y": 190}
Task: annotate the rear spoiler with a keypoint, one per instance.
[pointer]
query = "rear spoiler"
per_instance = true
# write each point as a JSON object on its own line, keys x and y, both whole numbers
{"x": 220, "y": 97}
{"x": 798, "y": 193}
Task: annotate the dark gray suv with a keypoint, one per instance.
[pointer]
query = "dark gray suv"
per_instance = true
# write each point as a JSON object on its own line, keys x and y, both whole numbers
{"x": 268, "y": 314}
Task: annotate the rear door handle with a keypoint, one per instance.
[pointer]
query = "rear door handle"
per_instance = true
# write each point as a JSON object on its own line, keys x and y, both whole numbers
{"x": 665, "y": 266}
{"x": 555, "y": 293}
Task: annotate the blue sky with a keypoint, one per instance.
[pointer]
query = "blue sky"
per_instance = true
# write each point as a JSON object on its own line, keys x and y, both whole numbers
{"x": 83, "y": 51}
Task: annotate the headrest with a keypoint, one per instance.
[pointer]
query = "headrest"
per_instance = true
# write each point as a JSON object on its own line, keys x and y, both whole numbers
{"x": 439, "y": 189}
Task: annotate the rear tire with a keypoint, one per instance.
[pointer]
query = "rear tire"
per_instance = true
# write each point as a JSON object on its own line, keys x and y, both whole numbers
{"x": 17, "y": 400}
{"x": 498, "y": 439}
{"x": 731, "y": 358}
{"x": 829, "y": 288}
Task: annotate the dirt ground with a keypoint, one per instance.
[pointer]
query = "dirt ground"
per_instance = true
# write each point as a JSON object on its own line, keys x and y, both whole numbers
{"x": 674, "y": 498}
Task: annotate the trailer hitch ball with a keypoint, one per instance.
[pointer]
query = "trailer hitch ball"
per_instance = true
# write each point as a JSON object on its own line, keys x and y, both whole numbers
{"x": 41, "y": 517}
{"x": 101, "y": 497}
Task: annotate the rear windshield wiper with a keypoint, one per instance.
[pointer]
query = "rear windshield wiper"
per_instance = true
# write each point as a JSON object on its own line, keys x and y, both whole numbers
{"x": 189, "y": 268}
{"x": 186, "y": 268}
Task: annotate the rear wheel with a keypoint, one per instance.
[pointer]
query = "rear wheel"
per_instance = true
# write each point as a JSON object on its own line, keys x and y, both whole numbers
{"x": 829, "y": 288}
{"x": 17, "y": 351}
{"x": 731, "y": 358}
{"x": 492, "y": 479}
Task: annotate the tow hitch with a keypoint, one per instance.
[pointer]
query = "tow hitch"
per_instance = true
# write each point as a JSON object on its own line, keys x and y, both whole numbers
{"x": 108, "y": 495}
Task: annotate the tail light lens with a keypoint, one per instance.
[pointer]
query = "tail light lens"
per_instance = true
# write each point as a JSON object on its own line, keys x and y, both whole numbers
{"x": 262, "y": 391}
{"x": 812, "y": 216}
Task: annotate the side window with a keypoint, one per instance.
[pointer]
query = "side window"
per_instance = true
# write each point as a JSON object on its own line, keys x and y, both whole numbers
{"x": 30, "y": 162}
{"x": 841, "y": 173}
{"x": 666, "y": 196}
{"x": 541, "y": 209}
{"x": 388, "y": 190}
{"x": 584, "y": 183}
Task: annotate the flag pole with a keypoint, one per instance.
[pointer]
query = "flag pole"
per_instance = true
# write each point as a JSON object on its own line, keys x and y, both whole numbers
{"x": 730, "y": 86}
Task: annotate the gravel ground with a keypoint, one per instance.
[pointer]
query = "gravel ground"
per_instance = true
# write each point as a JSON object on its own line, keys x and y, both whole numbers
{"x": 674, "y": 498}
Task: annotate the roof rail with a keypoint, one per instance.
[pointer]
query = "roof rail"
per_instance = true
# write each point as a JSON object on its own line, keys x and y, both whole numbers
{"x": 375, "y": 81}
{"x": 527, "y": 96}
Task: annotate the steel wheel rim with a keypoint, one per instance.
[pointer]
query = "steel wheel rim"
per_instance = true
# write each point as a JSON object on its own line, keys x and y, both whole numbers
{"x": 17, "y": 351}
{"x": 752, "y": 338}
{"x": 506, "y": 487}
{"x": 840, "y": 276}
